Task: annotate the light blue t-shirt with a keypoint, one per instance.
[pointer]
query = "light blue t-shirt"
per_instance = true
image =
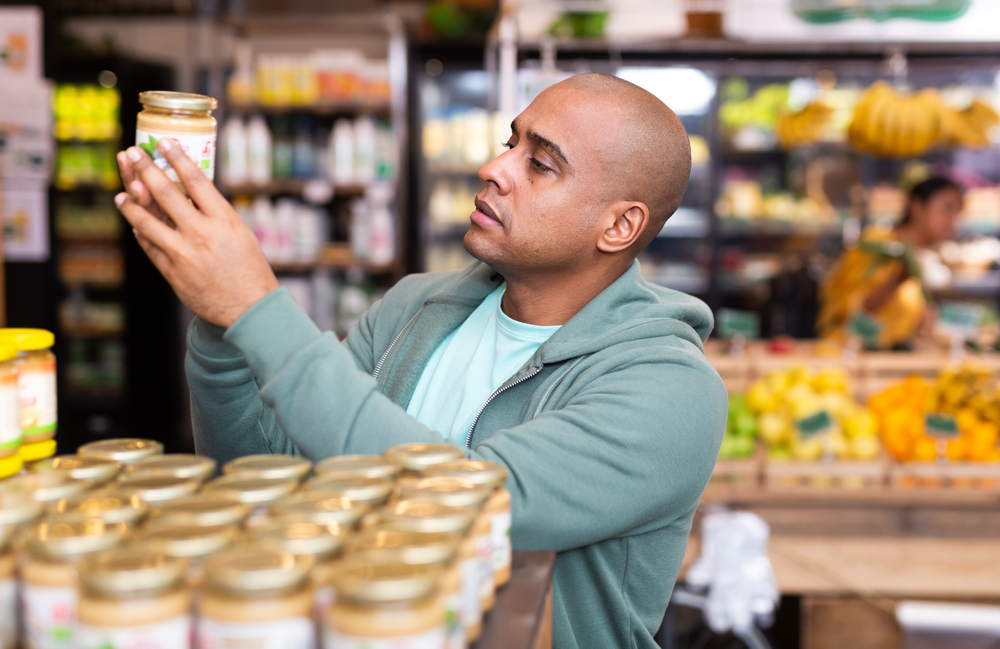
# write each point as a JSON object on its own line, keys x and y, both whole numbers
{"x": 471, "y": 364}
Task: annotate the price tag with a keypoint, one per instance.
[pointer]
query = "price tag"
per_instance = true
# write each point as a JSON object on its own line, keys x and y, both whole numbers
{"x": 961, "y": 318}
{"x": 815, "y": 425}
{"x": 733, "y": 323}
{"x": 866, "y": 328}
{"x": 940, "y": 425}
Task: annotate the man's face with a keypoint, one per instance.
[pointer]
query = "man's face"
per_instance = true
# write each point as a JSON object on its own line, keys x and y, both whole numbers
{"x": 540, "y": 210}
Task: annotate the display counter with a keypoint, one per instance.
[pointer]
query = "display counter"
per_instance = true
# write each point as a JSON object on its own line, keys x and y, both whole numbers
{"x": 522, "y": 616}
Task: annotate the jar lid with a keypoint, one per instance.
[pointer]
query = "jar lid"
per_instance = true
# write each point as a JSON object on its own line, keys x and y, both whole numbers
{"x": 252, "y": 570}
{"x": 108, "y": 506}
{"x": 67, "y": 538}
{"x": 187, "y": 541}
{"x": 300, "y": 538}
{"x": 177, "y": 465}
{"x": 406, "y": 547}
{"x": 46, "y": 487}
{"x": 156, "y": 488}
{"x": 446, "y": 490}
{"x": 205, "y": 509}
{"x": 423, "y": 516}
{"x": 477, "y": 472}
{"x": 37, "y": 450}
{"x": 79, "y": 467}
{"x": 11, "y": 465}
{"x": 367, "y": 583}
{"x": 177, "y": 100}
{"x": 27, "y": 340}
{"x": 17, "y": 507}
{"x": 319, "y": 507}
{"x": 370, "y": 492}
{"x": 418, "y": 457}
{"x": 358, "y": 466}
{"x": 131, "y": 570}
{"x": 255, "y": 492}
{"x": 126, "y": 450}
{"x": 7, "y": 350}
{"x": 271, "y": 467}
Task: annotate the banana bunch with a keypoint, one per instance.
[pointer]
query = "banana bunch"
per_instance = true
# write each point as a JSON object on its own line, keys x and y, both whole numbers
{"x": 803, "y": 127}
{"x": 889, "y": 124}
{"x": 971, "y": 127}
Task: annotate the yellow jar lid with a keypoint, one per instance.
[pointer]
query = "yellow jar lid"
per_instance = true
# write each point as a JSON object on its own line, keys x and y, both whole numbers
{"x": 419, "y": 457}
{"x": 126, "y": 450}
{"x": 37, "y": 451}
{"x": 28, "y": 339}
{"x": 358, "y": 466}
{"x": 269, "y": 467}
{"x": 10, "y": 465}
{"x": 7, "y": 350}
{"x": 177, "y": 100}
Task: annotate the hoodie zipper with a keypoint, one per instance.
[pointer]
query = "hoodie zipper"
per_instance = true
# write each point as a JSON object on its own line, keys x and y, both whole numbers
{"x": 468, "y": 438}
{"x": 378, "y": 368}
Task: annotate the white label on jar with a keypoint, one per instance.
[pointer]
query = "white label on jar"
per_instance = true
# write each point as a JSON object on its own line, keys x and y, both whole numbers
{"x": 484, "y": 550}
{"x": 453, "y": 628}
{"x": 432, "y": 639}
{"x": 200, "y": 148}
{"x": 500, "y": 531}
{"x": 323, "y": 599}
{"x": 36, "y": 390}
{"x": 49, "y": 616}
{"x": 8, "y": 612}
{"x": 10, "y": 413}
{"x": 171, "y": 634}
{"x": 289, "y": 633}
{"x": 472, "y": 613}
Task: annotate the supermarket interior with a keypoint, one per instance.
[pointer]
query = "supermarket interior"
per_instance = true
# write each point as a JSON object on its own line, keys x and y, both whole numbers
{"x": 841, "y": 221}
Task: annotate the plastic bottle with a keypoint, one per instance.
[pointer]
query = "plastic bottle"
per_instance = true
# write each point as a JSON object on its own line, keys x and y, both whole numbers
{"x": 234, "y": 152}
{"x": 365, "y": 144}
{"x": 264, "y": 226}
{"x": 283, "y": 150}
{"x": 342, "y": 151}
{"x": 258, "y": 151}
{"x": 359, "y": 229}
{"x": 284, "y": 221}
{"x": 381, "y": 227}
{"x": 303, "y": 150}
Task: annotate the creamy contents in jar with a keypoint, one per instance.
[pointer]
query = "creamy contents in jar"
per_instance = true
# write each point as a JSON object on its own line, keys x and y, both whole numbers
{"x": 185, "y": 118}
{"x": 8, "y": 594}
{"x": 36, "y": 382}
{"x": 10, "y": 408}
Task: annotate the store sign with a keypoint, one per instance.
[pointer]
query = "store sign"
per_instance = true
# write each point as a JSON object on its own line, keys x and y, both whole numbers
{"x": 733, "y": 323}
{"x": 940, "y": 425}
{"x": 831, "y": 11}
{"x": 962, "y": 319}
{"x": 817, "y": 424}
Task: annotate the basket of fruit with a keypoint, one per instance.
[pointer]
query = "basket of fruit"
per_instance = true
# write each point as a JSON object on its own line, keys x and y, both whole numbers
{"x": 739, "y": 457}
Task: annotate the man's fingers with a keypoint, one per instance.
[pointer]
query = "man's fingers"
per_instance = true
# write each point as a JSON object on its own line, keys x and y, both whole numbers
{"x": 199, "y": 187}
{"x": 170, "y": 199}
{"x": 159, "y": 258}
{"x": 125, "y": 168}
{"x": 156, "y": 231}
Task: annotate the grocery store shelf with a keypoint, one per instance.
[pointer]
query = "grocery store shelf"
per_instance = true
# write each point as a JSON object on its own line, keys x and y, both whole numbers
{"x": 289, "y": 186}
{"x": 686, "y": 222}
{"x": 733, "y": 228}
{"x": 695, "y": 285}
{"x": 986, "y": 285}
{"x": 453, "y": 168}
{"x": 334, "y": 256}
{"x": 92, "y": 333}
{"x": 332, "y": 108}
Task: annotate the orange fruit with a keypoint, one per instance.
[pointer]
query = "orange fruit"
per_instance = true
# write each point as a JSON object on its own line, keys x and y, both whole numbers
{"x": 957, "y": 450}
{"x": 925, "y": 450}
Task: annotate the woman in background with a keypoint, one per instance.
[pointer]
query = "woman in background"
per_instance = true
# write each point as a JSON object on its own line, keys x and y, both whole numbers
{"x": 875, "y": 290}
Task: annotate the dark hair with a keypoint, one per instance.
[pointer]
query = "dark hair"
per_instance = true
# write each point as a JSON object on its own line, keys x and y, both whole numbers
{"x": 926, "y": 190}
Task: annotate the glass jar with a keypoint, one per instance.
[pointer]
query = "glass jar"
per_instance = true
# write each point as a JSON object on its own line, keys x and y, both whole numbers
{"x": 184, "y": 117}
{"x": 339, "y": 467}
{"x": 32, "y": 454}
{"x": 49, "y": 578}
{"x": 256, "y": 493}
{"x": 257, "y": 597}
{"x": 10, "y": 406}
{"x": 155, "y": 489}
{"x": 385, "y": 605}
{"x": 175, "y": 465}
{"x": 17, "y": 509}
{"x": 193, "y": 543}
{"x": 416, "y": 458}
{"x": 46, "y": 488}
{"x": 124, "y": 451}
{"x": 269, "y": 467}
{"x": 36, "y": 382}
{"x": 369, "y": 492}
{"x": 8, "y": 591}
{"x": 111, "y": 507}
{"x": 318, "y": 507}
{"x": 98, "y": 470}
{"x": 205, "y": 509}
{"x": 494, "y": 476}
{"x": 482, "y": 537}
{"x": 133, "y": 598}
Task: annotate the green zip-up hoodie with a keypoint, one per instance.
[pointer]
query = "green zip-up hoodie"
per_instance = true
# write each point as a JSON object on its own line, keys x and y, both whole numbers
{"x": 610, "y": 431}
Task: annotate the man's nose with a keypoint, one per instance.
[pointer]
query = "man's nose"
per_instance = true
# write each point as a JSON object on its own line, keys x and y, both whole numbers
{"x": 496, "y": 172}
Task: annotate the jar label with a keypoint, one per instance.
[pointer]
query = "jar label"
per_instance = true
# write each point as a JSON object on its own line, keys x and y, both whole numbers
{"x": 10, "y": 413}
{"x": 8, "y": 613}
{"x": 170, "y": 634}
{"x": 323, "y": 599}
{"x": 431, "y": 639}
{"x": 289, "y": 633}
{"x": 500, "y": 531}
{"x": 200, "y": 148}
{"x": 36, "y": 390}
{"x": 49, "y": 616}
{"x": 453, "y": 627}
{"x": 484, "y": 550}
{"x": 472, "y": 613}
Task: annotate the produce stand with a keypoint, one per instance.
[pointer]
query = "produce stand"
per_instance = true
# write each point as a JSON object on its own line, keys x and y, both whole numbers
{"x": 522, "y": 615}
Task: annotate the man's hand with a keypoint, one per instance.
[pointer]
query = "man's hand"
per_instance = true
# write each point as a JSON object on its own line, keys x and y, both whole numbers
{"x": 204, "y": 250}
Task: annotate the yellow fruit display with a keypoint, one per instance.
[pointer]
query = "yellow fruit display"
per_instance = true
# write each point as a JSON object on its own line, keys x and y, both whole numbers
{"x": 804, "y": 127}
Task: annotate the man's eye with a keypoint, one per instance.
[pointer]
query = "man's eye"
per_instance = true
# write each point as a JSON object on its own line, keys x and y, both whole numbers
{"x": 538, "y": 165}
{"x": 507, "y": 145}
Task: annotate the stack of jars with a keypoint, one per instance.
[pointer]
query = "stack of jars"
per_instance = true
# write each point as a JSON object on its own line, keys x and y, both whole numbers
{"x": 27, "y": 398}
{"x": 121, "y": 545}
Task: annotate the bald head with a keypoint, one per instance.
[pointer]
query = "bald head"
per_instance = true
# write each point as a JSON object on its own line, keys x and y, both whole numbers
{"x": 649, "y": 158}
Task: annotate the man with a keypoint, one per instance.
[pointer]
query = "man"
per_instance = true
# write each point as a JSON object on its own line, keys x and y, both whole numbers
{"x": 552, "y": 356}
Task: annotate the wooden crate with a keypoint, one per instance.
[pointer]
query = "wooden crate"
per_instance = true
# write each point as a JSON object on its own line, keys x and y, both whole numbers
{"x": 955, "y": 475}
{"x": 745, "y": 472}
{"x": 825, "y": 474}
{"x": 878, "y": 370}
{"x": 766, "y": 363}
{"x": 736, "y": 371}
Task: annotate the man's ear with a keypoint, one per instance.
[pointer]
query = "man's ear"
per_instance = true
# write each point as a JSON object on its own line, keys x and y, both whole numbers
{"x": 629, "y": 219}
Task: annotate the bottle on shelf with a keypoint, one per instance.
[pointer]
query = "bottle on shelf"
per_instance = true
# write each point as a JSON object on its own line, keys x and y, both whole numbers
{"x": 342, "y": 152}
{"x": 359, "y": 229}
{"x": 264, "y": 226}
{"x": 284, "y": 223}
{"x": 234, "y": 152}
{"x": 283, "y": 150}
{"x": 303, "y": 156}
{"x": 365, "y": 145}
{"x": 381, "y": 226}
{"x": 258, "y": 151}
{"x": 239, "y": 88}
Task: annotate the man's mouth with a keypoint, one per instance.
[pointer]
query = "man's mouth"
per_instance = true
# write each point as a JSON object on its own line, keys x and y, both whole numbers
{"x": 483, "y": 209}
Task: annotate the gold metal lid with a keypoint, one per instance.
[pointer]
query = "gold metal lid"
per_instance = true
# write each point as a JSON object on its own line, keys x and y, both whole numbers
{"x": 300, "y": 538}
{"x": 370, "y": 492}
{"x": 79, "y": 467}
{"x": 251, "y": 569}
{"x": 363, "y": 582}
{"x": 177, "y": 465}
{"x": 128, "y": 571}
{"x": 68, "y": 538}
{"x": 177, "y": 100}
{"x": 423, "y": 516}
{"x": 187, "y": 541}
{"x": 156, "y": 488}
{"x": 357, "y": 466}
{"x": 18, "y": 507}
{"x": 446, "y": 490}
{"x": 256, "y": 492}
{"x": 204, "y": 509}
{"x": 108, "y": 506}
{"x": 419, "y": 457}
{"x": 319, "y": 507}
{"x": 477, "y": 472}
{"x": 126, "y": 450}
{"x": 270, "y": 467}
{"x": 407, "y": 547}
{"x": 46, "y": 487}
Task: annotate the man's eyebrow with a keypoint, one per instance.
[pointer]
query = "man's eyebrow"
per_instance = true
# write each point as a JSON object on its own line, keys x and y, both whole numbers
{"x": 542, "y": 142}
